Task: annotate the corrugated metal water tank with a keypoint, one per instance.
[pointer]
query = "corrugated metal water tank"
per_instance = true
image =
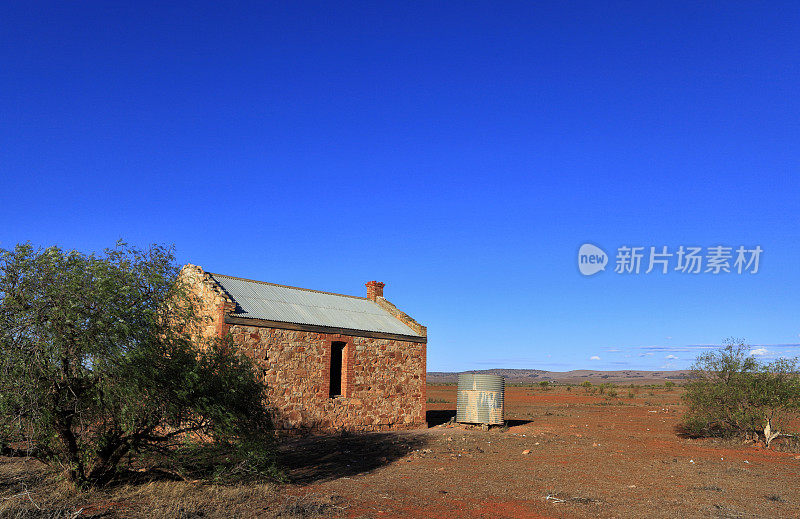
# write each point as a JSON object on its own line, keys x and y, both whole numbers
{"x": 480, "y": 399}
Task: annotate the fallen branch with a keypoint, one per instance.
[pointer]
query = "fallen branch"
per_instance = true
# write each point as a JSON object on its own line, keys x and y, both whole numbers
{"x": 26, "y": 493}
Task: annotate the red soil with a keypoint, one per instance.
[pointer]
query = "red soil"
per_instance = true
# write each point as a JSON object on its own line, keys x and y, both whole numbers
{"x": 588, "y": 457}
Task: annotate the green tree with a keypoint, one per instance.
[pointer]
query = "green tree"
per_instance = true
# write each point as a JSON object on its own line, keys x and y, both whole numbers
{"x": 99, "y": 361}
{"x": 732, "y": 393}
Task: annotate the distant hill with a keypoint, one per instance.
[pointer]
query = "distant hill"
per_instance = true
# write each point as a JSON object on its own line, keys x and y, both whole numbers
{"x": 534, "y": 376}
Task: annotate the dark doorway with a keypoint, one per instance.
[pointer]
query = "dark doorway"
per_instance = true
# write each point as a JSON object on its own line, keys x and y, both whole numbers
{"x": 337, "y": 348}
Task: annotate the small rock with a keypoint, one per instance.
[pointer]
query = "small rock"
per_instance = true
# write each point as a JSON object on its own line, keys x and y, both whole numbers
{"x": 526, "y": 451}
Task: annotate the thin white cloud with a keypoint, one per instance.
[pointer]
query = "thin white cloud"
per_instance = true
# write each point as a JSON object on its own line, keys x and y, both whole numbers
{"x": 759, "y": 351}
{"x": 594, "y": 357}
{"x": 646, "y": 354}
{"x": 670, "y": 357}
{"x": 688, "y": 348}
{"x": 614, "y": 350}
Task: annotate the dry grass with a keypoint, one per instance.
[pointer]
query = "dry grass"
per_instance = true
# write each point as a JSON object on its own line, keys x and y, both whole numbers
{"x": 28, "y": 489}
{"x": 592, "y": 457}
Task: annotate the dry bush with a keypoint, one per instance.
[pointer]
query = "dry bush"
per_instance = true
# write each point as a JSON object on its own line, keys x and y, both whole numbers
{"x": 733, "y": 394}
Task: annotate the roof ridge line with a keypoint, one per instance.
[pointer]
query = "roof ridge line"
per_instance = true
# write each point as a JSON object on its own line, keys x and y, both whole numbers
{"x": 287, "y": 286}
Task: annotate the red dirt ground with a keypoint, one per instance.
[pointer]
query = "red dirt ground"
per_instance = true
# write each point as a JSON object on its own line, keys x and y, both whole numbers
{"x": 592, "y": 457}
{"x": 565, "y": 454}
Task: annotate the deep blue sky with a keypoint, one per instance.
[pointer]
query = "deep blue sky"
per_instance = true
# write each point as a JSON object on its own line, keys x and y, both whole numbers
{"x": 459, "y": 152}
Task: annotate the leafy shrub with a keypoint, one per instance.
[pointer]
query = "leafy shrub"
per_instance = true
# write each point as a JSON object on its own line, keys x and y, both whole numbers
{"x": 100, "y": 361}
{"x": 731, "y": 393}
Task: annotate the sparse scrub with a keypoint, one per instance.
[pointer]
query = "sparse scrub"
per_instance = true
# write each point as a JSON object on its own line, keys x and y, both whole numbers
{"x": 588, "y": 387}
{"x": 732, "y": 394}
{"x": 608, "y": 389}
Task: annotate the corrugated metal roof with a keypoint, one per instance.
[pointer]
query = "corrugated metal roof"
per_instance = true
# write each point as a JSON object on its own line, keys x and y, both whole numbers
{"x": 259, "y": 300}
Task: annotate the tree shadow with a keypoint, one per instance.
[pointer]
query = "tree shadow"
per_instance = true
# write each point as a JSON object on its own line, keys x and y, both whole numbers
{"x": 318, "y": 458}
{"x": 20, "y": 473}
{"x": 683, "y": 432}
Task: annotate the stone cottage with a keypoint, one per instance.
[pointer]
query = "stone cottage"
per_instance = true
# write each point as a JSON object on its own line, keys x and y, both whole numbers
{"x": 329, "y": 361}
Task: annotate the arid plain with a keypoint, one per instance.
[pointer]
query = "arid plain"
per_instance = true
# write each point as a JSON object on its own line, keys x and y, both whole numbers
{"x": 568, "y": 451}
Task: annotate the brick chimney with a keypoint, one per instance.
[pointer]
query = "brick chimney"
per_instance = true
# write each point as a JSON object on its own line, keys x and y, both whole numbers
{"x": 375, "y": 290}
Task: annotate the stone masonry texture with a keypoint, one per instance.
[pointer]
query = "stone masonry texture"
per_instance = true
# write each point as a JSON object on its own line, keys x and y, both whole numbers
{"x": 383, "y": 379}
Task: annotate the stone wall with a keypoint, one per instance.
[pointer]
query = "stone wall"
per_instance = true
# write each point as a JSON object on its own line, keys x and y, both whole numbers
{"x": 210, "y": 300}
{"x": 383, "y": 383}
{"x": 383, "y": 380}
